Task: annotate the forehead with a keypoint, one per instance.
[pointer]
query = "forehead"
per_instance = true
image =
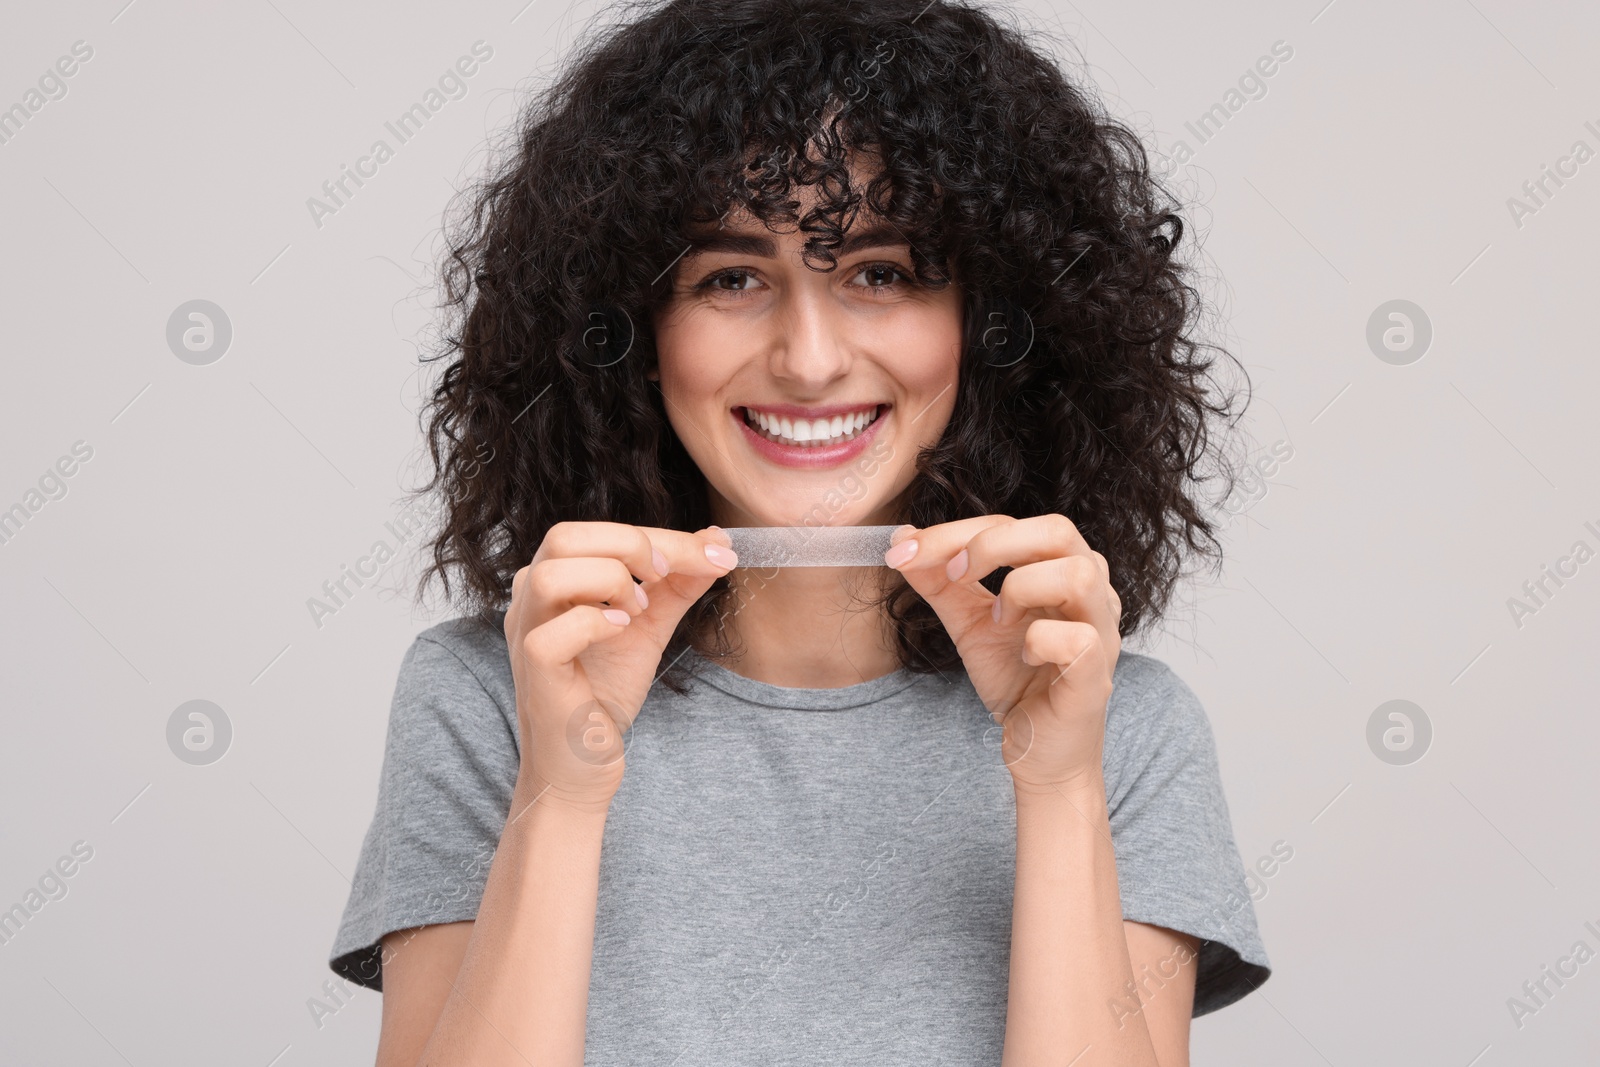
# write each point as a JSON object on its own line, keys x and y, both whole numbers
{"x": 748, "y": 237}
{"x": 739, "y": 232}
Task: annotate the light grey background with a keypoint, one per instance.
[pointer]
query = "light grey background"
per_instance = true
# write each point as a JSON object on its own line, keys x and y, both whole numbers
{"x": 219, "y": 498}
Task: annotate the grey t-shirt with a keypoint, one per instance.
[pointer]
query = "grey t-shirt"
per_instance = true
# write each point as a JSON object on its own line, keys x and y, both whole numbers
{"x": 797, "y": 875}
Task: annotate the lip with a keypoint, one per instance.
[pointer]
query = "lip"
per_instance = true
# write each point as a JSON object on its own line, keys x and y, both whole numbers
{"x": 795, "y": 412}
{"x": 811, "y": 456}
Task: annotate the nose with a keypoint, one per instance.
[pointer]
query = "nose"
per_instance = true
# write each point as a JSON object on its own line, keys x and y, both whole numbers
{"x": 812, "y": 350}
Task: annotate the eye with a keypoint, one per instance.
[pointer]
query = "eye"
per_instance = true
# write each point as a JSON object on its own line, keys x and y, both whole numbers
{"x": 731, "y": 274}
{"x": 740, "y": 281}
{"x": 886, "y": 273}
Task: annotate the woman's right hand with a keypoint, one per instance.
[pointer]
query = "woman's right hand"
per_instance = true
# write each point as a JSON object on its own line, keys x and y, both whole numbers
{"x": 585, "y": 648}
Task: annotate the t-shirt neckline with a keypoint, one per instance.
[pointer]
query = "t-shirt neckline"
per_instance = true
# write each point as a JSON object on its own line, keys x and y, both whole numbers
{"x": 799, "y": 699}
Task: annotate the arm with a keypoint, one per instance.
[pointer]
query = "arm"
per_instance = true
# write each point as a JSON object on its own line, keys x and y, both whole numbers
{"x": 512, "y": 987}
{"x": 419, "y": 968}
{"x": 1074, "y": 958}
{"x": 1165, "y": 963}
{"x": 522, "y": 990}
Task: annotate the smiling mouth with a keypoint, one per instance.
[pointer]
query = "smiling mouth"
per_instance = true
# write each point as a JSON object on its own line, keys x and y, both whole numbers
{"x": 812, "y": 433}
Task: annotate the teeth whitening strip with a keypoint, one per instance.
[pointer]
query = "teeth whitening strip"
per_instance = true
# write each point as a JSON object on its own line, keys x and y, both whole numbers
{"x": 811, "y": 546}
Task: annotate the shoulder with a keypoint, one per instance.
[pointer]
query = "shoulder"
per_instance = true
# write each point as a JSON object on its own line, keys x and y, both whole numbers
{"x": 456, "y": 678}
{"x": 1157, "y": 729}
{"x": 464, "y": 646}
{"x": 1148, "y": 696}
{"x": 475, "y": 642}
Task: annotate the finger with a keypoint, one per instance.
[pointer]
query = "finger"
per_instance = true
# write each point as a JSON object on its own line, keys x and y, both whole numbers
{"x": 518, "y": 610}
{"x": 551, "y": 647}
{"x": 697, "y": 560}
{"x": 922, "y": 556}
{"x": 631, "y": 544}
{"x": 556, "y": 584}
{"x": 686, "y": 552}
{"x": 1071, "y": 587}
{"x": 700, "y": 556}
{"x": 651, "y": 553}
{"x": 1105, "y": 564}
{"x": 1077, "y": 650}
{"x": 1019, "y": 542}
{"x": 930, "y": 551}
{"x": 681, "y": 567}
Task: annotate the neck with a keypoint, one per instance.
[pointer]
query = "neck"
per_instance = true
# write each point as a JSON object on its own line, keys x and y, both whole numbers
{"x": 807, "y": 627}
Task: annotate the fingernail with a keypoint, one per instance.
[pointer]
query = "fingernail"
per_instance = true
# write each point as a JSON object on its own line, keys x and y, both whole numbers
{"x": 900, "y": 553}
{"x": 616, "y": 615}
{"x": 722, "y": 557}
{"x": 957, "y": 566}
{"x": 644, "y": 600}
{"x": 900, "y": 531}
{"x": 994, "y": 612}
{"x": 659, "y": 560}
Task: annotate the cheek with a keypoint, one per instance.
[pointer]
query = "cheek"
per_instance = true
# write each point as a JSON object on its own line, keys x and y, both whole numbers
{"x": 675, "y": 341}
{"x": 928, "y": 353}
{"x": 693, "y": 362}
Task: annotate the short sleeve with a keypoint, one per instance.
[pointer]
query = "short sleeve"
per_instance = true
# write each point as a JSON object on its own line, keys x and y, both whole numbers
{"x": 1177, "y": 863}
{"x": 449, "y": 768}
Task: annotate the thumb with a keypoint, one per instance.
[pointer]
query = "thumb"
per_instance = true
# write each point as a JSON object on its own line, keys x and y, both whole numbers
{"x": 691, "y": 570}
{"x": 921, "y": 557}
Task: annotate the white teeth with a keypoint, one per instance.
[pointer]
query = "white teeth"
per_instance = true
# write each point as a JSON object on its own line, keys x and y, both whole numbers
{"x": 809, "y": 432}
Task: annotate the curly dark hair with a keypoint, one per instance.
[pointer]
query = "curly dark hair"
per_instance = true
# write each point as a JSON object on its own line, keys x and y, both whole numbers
{"x": 1081, "y": 389}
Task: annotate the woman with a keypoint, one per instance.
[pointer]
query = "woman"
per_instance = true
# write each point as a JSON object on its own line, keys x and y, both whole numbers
{"x": 807, "y": 263}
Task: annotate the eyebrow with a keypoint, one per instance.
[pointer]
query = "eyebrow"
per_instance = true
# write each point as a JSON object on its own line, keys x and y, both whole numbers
{"x": 881, "y": 235}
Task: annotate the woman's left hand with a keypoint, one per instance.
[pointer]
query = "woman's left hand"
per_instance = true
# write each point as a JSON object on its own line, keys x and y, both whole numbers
{"x": 1042, "y": 653}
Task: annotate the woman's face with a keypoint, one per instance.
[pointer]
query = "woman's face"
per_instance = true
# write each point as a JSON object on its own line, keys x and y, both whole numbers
{"x": 804, "y": 397}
